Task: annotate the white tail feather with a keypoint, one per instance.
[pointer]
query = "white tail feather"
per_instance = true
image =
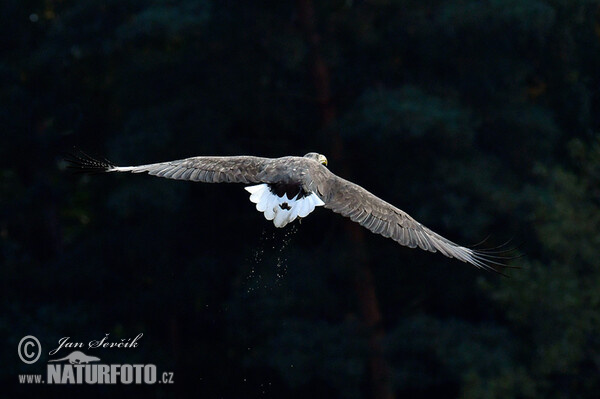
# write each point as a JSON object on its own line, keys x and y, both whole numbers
{"x": 271, "y": 205}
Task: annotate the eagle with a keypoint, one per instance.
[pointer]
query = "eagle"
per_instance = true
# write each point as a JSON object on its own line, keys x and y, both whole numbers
{"x": 291, "y": 187}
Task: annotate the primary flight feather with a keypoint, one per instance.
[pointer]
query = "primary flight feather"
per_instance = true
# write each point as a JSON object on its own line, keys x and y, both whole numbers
{"x": 291, "y": 187}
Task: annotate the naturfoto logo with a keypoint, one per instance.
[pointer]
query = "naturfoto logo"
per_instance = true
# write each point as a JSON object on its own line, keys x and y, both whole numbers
{"x": 78, "y": 367}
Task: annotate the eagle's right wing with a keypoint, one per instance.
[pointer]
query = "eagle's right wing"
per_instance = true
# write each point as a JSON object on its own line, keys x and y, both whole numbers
{"x": 238, "y": 169}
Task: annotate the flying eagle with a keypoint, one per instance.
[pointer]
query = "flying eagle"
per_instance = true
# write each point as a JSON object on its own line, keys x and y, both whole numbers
{"x": 290, "y": 188}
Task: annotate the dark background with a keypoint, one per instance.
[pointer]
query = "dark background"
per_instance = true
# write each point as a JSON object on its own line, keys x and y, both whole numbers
{"x": 477, "y": 117}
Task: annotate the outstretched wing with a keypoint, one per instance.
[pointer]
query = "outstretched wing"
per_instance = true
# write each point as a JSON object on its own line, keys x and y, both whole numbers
{"x": 239, "y": 169}
{"x": 356, "y": 203}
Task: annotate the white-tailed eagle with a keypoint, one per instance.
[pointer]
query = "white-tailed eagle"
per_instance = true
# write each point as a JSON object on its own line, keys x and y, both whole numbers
{"x": 288, "y": 188}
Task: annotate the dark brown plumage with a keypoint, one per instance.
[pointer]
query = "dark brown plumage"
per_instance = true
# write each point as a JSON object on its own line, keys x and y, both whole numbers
{"x": 289, "y": 180}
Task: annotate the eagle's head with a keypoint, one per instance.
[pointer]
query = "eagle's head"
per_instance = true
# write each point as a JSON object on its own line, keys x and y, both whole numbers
{"x": 320, "y": 158}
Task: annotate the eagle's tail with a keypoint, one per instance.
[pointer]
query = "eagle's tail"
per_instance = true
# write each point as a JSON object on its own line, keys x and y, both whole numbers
{"x": 83, "y": 163}
{"x": 282, "y": 210}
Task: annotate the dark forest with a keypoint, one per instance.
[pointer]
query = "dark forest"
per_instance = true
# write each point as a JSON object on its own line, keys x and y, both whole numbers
{"x": 481, "y": 119}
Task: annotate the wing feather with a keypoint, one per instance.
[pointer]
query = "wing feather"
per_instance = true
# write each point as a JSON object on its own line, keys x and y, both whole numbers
{"x": 164, "y": 171}
{"x": 236, "y": 169}
{"x": 352, "y": 201}
{"x": 194, "y": 175}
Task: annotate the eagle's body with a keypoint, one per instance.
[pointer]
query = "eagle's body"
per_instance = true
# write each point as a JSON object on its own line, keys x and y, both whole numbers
{"x": 291, "y": 187}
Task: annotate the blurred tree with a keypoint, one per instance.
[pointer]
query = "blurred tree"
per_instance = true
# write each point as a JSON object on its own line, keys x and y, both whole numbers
{"x": 476, "y": 117}
{"x": 553, "y": 303}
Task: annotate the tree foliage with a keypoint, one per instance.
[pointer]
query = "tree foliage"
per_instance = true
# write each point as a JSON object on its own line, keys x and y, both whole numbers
{"x": 476, "y": 117}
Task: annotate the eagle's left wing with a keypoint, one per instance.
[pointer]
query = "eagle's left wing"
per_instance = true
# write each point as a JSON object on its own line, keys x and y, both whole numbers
{"x": 380, "y": 217}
